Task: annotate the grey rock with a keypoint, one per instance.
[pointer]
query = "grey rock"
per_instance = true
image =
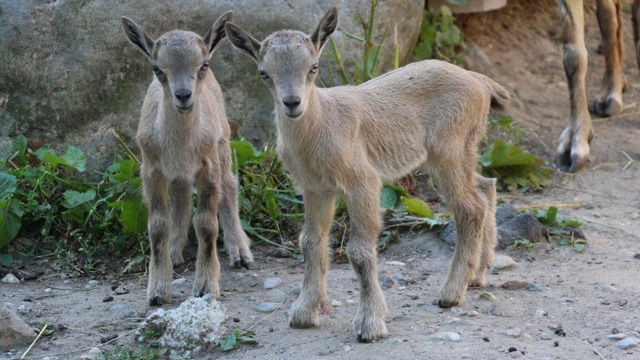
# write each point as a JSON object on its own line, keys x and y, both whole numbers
{"x": 117, "y": 307}
{"x": 275, "y": 294}
{"x": 10, "y": 279}
{"x": 93, "y": 74}
{"x": 487, "y": 296}
{"x": 178, "y": 281}
{"x": 296, "y": 289}
{"x": 445, "y": 336}
{"x": 282, "y": 253}
{"x": 513, "y": 332}
{"x": 615, "y": 337}
{"x": 194, "y": 325}
{"x": 531, "y": 286}
{"x": 386, "y": 282}
{"x": 266, "y": 307}
{"x": 505, "y": 212}
{"x": 128, "y": 314}
{"x": 14, "y": 332}
{"x": 93, "y": 282}
{"x": 502, "y": 262}
{"x": 121, "y": 290}
{"x": 270, "y": 283}
{"x": 627, "y": 343}
{"x": 93, "y": 354}
{"x": 335, "y": 303}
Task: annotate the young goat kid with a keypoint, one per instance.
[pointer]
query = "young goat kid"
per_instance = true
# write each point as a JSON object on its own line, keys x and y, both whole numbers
{"x": 346, "y": 140}
{"x": 184, "y": 136}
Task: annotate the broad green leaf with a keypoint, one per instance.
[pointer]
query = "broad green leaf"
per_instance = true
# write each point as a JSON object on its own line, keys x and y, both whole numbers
{"x": 228, "y": 342}
{"x": 133, "y": 216}
{"x": 6, "y": 259}
{"x": 388, "y": 198}
{"x": 242, "y": 152}
{"x": 501, "y": 154}
{"x": 579, "y": 247}
{"x": 20, "y": 149}
{"x": 417, "y": 207}
{"x": 550, "y": 216}
{"x": 74, "y": 198}
{"x": 272, "y": 206}
{"x": 8, "y": 185}
{"x": 74, "y": 157}
{"x": 10, "y": 220}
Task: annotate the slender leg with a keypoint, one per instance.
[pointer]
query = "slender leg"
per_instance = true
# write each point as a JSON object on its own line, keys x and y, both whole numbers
{"x": 487, "y": 188}
{"x": 160, "y": 268}
{"x": 319, "y": 208}
{"x": 364, "y": 212}
{"x": 573, "y": 147}
{"x": 635, "y": 17}
{"x": 608, "y": 101}
{"x": 235, "y": 239}
{"x": 180, "y": 209}
{"x": 205, "y": 223}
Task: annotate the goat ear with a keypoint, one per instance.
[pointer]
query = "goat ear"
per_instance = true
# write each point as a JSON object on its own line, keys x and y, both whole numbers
{"x": 216, "y": 34}
{"x": 327, "y": 26}
{"x": 137, "y": 36}
{"x": 242, "y": 40}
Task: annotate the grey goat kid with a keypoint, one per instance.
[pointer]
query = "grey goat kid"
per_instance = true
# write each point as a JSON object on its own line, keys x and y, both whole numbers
{"x": 346, "y": 140}
{"x": 184, "y": 138}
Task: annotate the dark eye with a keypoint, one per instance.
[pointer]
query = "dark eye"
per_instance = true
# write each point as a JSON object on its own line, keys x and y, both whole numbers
{"x": 314, "y": 69}
{"x": 264, "y": 75}
{"x": 204, "y": 67}
{"x": 157, "y": 70}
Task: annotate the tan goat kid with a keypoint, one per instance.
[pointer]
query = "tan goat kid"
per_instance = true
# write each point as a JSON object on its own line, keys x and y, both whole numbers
{"x": 184, "y": 136}
{"x": 346, "y": 140}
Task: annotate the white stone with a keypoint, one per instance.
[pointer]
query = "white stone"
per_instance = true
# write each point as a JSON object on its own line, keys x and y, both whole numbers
{"x": 445, "y": 336}
{"x": 615, "y": 337}
{"x": 335, "y": 303}
{"x": 10, "y": 279}
{"x": 270, "y": 283}
{"x": 502, "y": 262}
{"x": 394, "y": 263}
{"x": 178, "y": 281}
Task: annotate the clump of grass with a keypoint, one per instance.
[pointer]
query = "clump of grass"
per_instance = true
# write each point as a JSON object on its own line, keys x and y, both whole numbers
{"x": 562, "y": 231}
{"x": 440, "y": 38}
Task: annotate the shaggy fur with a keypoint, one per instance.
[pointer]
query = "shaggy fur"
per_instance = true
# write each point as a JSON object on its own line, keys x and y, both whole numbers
{"x": 346, "y": 140}
{"x": 184, "y": 138}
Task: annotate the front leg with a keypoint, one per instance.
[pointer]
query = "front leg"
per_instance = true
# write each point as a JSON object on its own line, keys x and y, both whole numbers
{"x": 205, "y": 222}
{"x": 573, "y": 147}
{"x": 319, "y": 210}
{"x": 364, "y": 212}
{"x": 160, "y": 267}
{"x": 608, "y": 101}
{"x": 180, "y": 209}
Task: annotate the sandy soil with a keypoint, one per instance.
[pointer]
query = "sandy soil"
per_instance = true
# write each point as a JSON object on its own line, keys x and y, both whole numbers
{"x": 589, "y": 294}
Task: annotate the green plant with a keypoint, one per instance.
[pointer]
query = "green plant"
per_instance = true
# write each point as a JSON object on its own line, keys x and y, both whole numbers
{"x": 233, "y": 340}
{"x": 559, "y": 229}
{"x": 439, "y": 37}
{"x": 514, "y": 167}
{"x": 46, "y": 197}
{"x": 524, "y": 242}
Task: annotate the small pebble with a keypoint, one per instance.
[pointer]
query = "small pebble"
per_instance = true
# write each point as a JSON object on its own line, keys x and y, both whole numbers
{"x": 270, "y": 283}
{"x": 116, "y": 307}
{"x": 93, "y": 282}
{"x": 514, "y": 285}
{"x": 445, "y": 336}
{"x": 129, "y": 314}
{"x": 275, "y": 294}
{"x": 235, "y": 319}
{"x": 207, "y": 297}
{"x": 627, "y": 343}
{"x": 487, "y": 296}
{"x": 266, "y": 307}
{"x": 270, "y": 328}
{"x": 513, "y": 332}
{"x": 335, "y": 303}
{"x": 502, "y": 262}
{"x": 545, "y": 336}
{"x": 22, "y": 309}
{"x": 394, "y": 263}
{"x": 107, "y": 299}
{"x": 282, "y": 253}
{"x": 473, "y": 313}
{"x": 26, "y": 300}
{"x": 178, "y": 281}
{"x": 512, "y": 349}
{"x": 121, "y": 290}
{"x": 533, "y": 287}
{"x": 108, "y": 338}
{"x": 616, "y": 337}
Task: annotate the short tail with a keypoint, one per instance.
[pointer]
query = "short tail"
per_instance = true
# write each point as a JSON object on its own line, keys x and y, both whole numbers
{"x": 500, "y": 98}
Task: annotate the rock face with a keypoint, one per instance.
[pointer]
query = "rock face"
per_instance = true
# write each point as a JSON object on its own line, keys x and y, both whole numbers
{"x": 196, "y": 324}
{"x": 14, "y": 332}
{"x": 68, "y": 74}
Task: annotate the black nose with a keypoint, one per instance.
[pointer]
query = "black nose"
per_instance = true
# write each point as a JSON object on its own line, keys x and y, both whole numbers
{"x": 291, "y": 101}
{"x": 183, "y": 95}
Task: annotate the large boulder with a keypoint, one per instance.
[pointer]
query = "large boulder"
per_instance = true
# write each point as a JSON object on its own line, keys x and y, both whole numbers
{"x": 14, "y": 332}
{"x": 68, "y": 74}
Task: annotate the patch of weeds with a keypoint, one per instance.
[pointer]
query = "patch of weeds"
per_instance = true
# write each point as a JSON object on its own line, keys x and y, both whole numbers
{"x": 524, "y": 242}
{"x": 48, "y": 207}
{"x": 514, "y": 167}
{"x": 562, "y": 231}
{"x": 152, "y": 335}
{"x": 45, "y": 328}
{"x": 233, "y": 340}
{"x": 440, "y": 38}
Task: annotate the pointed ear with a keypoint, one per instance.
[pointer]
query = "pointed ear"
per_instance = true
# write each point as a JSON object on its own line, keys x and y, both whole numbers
{"x": 327, "y": 26}
{"x": 242, "y": 40}
{"x": 137, "y": 36}
{"x": 216, "y": 34}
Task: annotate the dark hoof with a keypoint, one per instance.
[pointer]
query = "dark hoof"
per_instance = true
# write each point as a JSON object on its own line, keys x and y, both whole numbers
{"x": 364, "y": 340}
{"x": 156, "y": 301}
{"x": 445, "y": 304}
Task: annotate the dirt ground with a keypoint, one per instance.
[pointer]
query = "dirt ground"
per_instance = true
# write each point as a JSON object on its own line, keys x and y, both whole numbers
{"x": 589, "y": 295}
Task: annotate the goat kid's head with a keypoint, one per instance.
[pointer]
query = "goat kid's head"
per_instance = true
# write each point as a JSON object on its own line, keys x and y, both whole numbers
{"x": 287, "y": 61}
{"x": 180, "y": 59}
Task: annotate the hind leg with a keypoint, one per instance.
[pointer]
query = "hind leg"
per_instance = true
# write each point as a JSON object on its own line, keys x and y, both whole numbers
{"x": 487, "y": 189}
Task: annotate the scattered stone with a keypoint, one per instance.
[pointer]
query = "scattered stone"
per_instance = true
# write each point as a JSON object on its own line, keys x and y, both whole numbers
{"x": 128, "y": 314}
{"x": 350, "y": 302}
{"x": 270, "y": 328}
{"x": 275, "y": 294}
{"x": 487, "y": 296}
{"x": 335, "y": 303}
{"x": 194, "y": 325}
{"x": 533, "y": 287}
{"x": 627, "y": 343}
{"x": 505, "y": 212}
{"x": 616, "y": 337}
{"x": 62, "y": 327}
{"x": 615, "y": 330}
{"x": 394, "y": 263}
{"x": 414, "y": 297}
{"x": 121, "y": 290}
{"x": 386, "y": 282}
{"x": 434, "y": 309}
{"x": 178, "y": 281}
{"x": 93, "y": 354}
{"x": 93, "y": 282}
{"x": 107, "y": 299}
{"x": 347, "y": 348}
{"x": 266, "y": 307}
{"x": 116, "y": 307}
{"x": 270, "y": 283}
{"x": 108, "y": 338}
{"x": 541, "y": 313}
{"x": 296, "y": 289}
{"x": 512, "y": 349}
{"x": 446, "y": 336}
{"x": 326, "y": 309}
{"x": 516, "y": 354}
{"x": 400, "y": 278}
{"x": 513, "y": 332}
{"x": 557, "y": 329}
{"x": 236, "y": 320}
{"x": 14, "y": 332}
{"x": 636, "y": 256}
{"x": 10, "y": 279}
{"x": 514, "y": 285}
{"x": 282, "y": 253}
{"x": 502, "y": 262}
{"x": 545, "y": 336}
{"x": 473, "y": 313}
